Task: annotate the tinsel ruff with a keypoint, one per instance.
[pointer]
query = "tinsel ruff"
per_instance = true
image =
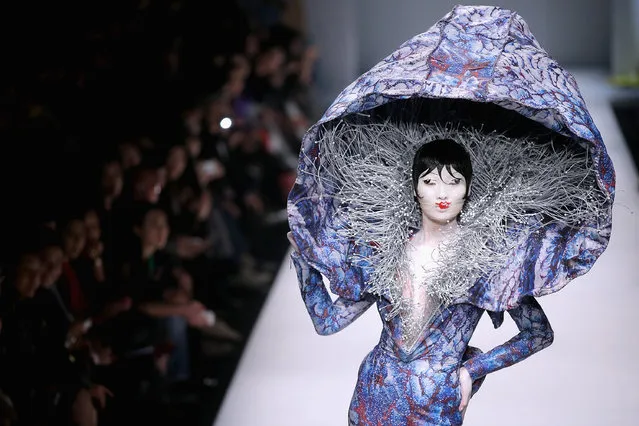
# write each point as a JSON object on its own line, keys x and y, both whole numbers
{"x": 518, "y": 186}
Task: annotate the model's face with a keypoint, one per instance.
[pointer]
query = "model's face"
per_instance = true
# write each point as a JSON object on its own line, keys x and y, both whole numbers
{"x": 441, "y": 196}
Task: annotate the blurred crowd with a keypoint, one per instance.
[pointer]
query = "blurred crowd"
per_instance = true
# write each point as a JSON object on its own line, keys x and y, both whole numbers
{"x": 158, "y": 142}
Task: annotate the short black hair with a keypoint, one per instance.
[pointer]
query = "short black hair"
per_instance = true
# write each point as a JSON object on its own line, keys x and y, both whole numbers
{"x": 439, "y": 154}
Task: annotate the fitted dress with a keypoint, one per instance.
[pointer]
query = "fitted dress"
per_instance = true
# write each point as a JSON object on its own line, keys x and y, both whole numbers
{"x": 398, "y": 385}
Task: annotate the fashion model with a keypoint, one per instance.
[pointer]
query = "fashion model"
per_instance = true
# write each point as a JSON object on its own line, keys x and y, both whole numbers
{"x": 460, "y": 175}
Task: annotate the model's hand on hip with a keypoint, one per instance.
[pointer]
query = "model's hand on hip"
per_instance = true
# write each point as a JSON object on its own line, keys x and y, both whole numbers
{"x": 465, "y": 387}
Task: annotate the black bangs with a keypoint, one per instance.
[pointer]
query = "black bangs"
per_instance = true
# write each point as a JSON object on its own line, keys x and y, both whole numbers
{"x": 442, "y": 153}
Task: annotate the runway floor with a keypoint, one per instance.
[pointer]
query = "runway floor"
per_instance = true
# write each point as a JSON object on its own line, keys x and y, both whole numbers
{"x": 288, "y": 375}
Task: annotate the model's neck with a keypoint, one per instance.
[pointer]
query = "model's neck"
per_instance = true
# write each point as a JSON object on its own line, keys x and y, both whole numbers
{"x": 435, "y": 232}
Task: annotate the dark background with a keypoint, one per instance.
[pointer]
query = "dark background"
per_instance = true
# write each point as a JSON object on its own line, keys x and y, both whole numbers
{"x": 79, "y": 77}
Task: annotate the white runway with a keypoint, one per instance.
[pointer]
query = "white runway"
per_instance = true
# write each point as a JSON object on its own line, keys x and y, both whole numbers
{"x": 289, "y": 376}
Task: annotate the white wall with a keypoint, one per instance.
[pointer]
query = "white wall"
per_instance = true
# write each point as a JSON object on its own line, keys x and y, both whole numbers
{"x": 625, "y": 36}
{"x": 332, "y": 28}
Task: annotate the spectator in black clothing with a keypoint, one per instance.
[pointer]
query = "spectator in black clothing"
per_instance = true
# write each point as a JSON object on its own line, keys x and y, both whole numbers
{"x": 21, "y": 339}
{"x": 94, "y": 250}
{"x": 181, "y": 186}
{"x": 111, "y": 182}
{"x": 35, "y": 368}
{"x": 110, "y": 186}
{"x": 160, "y": 289}
{"x": 49, "y": 299}
{"x": 143, "y": 186}
{"x": 54, "y": 297}
{"x": 80, "y": 291}
{"x": 144, "y": 77}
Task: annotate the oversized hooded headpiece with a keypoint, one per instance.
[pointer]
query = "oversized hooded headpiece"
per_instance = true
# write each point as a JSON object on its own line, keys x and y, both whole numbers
{"x": 479, "y": 76}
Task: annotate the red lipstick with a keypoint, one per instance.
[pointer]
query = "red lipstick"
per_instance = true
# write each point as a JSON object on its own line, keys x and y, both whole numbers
{"x": 443, "y": 205}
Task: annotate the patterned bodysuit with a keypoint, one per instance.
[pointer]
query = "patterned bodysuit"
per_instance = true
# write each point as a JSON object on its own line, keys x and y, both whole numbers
{"x": 421, "y": 386}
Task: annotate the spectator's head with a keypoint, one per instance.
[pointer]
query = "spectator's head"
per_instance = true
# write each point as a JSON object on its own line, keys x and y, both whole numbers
{"x": 151, "y": 225}
{"x": 130, "y": 155}
{"x": 52, "y": 257}
{"x": 74, "y": 236}
{"x": 112, "y": 180}
{"x": 147, "y": 185}
{"x": 270, "y": 61}
{"x": 234, "y": 87}
{"x": 163, "y": 175}
{"x": 236, "y": 81}
{"x": 296, "y": 46}
{"x": 193, "y": 120}
{"x": 241, "y": 67}
{"x": 92, "y": 226}
{"x": 194, "y": 146}
{"x": 27, "y": 274}
{"x": 176, "y": 162}
{"x": 252, "y": 45}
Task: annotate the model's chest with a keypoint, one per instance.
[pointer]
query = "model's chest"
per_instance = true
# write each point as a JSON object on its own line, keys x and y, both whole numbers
{"x": 448, "y": 329}
{"x": 421, "y": 263}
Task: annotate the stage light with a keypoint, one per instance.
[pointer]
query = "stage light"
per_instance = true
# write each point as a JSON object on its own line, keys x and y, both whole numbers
{"x": 226, "y": 123}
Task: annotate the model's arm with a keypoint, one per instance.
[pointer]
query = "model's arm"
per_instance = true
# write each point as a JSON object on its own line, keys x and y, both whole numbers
{"x": 328, "y": 317}
{"x": 534, "y": 335}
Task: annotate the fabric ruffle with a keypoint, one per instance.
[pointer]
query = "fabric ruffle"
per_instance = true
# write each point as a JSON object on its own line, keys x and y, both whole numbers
{"x": 485, "y": 55}
{"x": 544, "y": 264}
